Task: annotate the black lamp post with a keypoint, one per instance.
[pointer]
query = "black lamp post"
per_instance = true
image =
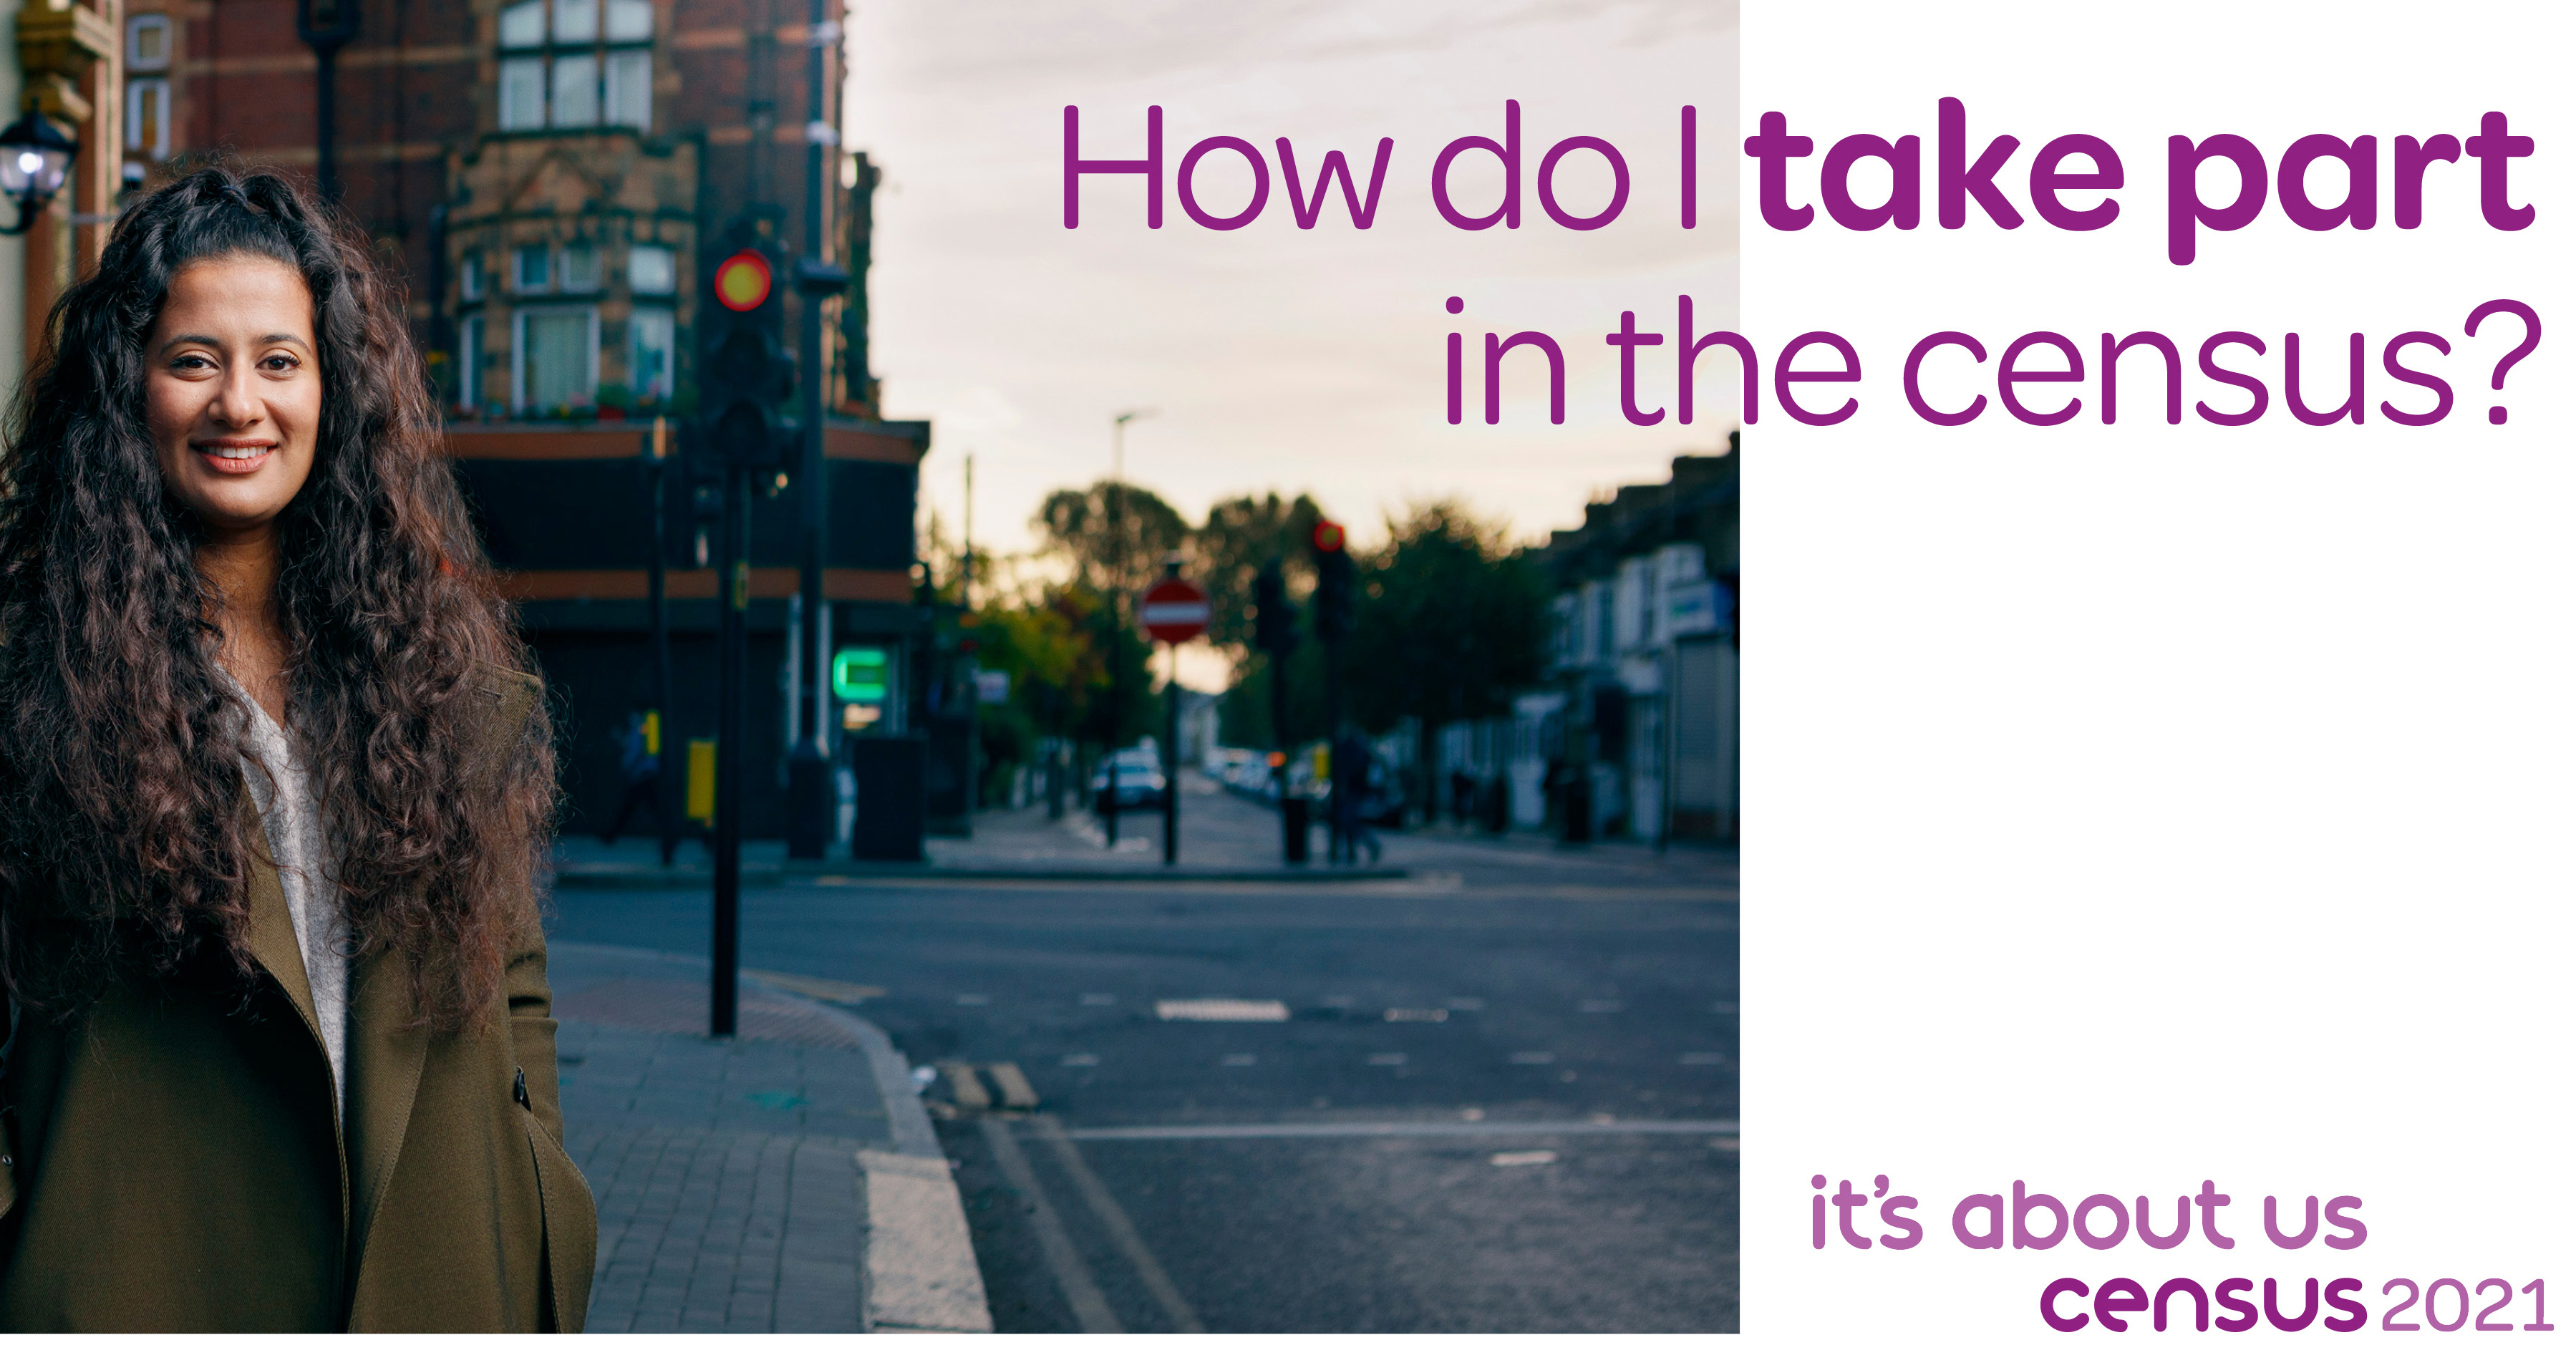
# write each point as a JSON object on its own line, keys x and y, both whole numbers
{"x": 35, "y": 159}
{"x": 326, "y": 26}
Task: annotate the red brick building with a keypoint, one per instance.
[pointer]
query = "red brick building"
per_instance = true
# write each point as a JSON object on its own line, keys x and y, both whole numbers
{"x": 544, "y": 171}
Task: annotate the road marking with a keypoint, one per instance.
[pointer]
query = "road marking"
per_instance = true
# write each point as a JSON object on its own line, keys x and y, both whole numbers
{"x": 829, "y": 990}
{"x": 1466, "y": 1004}
{"x": 1402, "y": 1129}
{"x": 1386, "y": 1060}
{"x": 1702, "y": 1060}
{"x": 1220, "y": 1009}
{"x": 1017, "y": 1094}
{"x": 1072, "y": 1277}
{"x": 1417, "y": 1013}
{"x": 1237, "y": 1061}
{"x": 1596, "y": 1006}
{"x": 974, "y": 1000}
{"x": 963, "y": 1089}
{"x": 1533, "y": 1056}
{"x": 1535, "y": 1157}
{"x": 921, "y": 1275}
{"x": 1080, "y": 1061}
{"x": 1100, "y": 999}
{"x": 1121, "y": 1231}
{"x": 1472, "y": 1113}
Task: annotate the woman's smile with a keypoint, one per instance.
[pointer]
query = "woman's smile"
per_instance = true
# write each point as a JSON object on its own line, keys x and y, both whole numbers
{"x": 234, "y": 456}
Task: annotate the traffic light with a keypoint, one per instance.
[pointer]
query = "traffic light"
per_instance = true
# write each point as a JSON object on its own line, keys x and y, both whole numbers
{"x": 1274, "y": 622}
{"x": 744, "y": 371}
{"x": 1333, "y": 584}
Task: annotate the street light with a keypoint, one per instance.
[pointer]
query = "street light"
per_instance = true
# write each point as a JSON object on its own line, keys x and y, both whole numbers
{"x": 1117, "y": 598}
{"x": 35, "y": 158}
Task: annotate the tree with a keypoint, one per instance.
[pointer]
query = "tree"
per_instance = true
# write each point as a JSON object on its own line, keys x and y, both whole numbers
{"x": 1452, "y": 624}
{"x": 1122, "y": 557}
{"x": 1240, "y": 536}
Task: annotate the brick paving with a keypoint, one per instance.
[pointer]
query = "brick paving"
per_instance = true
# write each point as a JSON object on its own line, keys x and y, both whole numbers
{"x": 726, "y": 1171}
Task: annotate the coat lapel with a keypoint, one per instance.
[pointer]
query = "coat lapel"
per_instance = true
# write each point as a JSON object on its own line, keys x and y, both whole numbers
{"x": 387, "y": 1047}
{"x": 272, "y": 928}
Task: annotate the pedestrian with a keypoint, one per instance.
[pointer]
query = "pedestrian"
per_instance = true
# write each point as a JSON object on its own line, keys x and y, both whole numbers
{"x": 639, "y": 760}
{"x": 1352, "y": 766}
{"x": 280, "y": 1054}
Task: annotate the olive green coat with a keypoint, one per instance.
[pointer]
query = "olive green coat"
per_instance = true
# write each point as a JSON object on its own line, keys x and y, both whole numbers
{"x": 178, "y": 1161}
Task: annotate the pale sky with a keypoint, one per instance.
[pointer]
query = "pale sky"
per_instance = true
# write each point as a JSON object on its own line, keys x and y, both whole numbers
{"x": 1279, "y": 358}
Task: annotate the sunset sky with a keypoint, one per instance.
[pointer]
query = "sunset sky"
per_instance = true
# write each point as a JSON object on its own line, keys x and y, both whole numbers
{"x": 1278, "y": 358}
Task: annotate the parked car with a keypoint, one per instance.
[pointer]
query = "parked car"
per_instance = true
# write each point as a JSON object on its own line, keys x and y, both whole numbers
{"x": 1133, "y": 776}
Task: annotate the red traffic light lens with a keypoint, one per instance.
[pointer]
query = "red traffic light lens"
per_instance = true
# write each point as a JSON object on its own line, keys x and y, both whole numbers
{"x": 1328, "y": 536}
{"x": 742, "y": 282}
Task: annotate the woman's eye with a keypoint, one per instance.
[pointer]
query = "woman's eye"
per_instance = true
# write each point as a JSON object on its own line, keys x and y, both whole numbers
{"x": 191, "y": 362}
{"x": 278, "y": 362}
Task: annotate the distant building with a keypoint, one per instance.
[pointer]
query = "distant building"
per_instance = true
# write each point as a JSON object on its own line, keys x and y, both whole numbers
{"x": 542, "y": 172}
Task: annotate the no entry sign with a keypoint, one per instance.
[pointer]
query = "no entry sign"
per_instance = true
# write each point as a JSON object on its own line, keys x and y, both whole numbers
{"x": 1175, "y": 610}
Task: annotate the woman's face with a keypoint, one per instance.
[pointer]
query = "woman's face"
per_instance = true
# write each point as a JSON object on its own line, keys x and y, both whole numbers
{"x": 233, "y": 390}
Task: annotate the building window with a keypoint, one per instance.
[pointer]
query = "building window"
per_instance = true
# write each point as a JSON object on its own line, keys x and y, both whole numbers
{"x": 576, "y": 101}
{"x": 581, "y": 268}
{"x": 558, "y": 359}
{"x": 147, "y": 117}
{"x": 523, "y": 94}
{"x": 469, "y": 363}
{"x": 531, "y": 270}
{"x": 469, "y": 278}
{"x": 147, "y": 42}
{"x": 573, "y": 75}
{"x": 651, "y": 270}
{"x": 653, "y": 337}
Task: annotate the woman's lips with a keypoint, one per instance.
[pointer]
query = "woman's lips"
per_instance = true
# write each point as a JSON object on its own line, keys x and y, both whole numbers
{"x": 224, "y": 459}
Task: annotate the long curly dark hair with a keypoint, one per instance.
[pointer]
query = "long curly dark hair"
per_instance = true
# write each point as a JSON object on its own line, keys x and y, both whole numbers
{"x": 124, "y": 842}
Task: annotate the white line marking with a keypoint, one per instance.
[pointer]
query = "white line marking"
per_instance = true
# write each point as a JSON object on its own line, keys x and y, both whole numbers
{"x": 1533, "y": 1056}
{"x": 1121, "y": 1230}
{"x": 1702, "y": 1060}
{"x": 1472, "y": 1113}
{"x": 1090, "y": 1306}
{"x": 1238, "y": 1061}
{"x": 1406, "y": 1129}
{"x": 1386, "y": 1060}
{"x": 974, "y": 1000}
{"x": 1100, "y": 999}
{"x": 1535, "y": 1157}
{"x": 1220, "y": 1009}
{"x": 1080, "y": 1061}
{"x": 1417, "y": 1013}
{"x": 1595, "y": 1006}
{"x": 921, "y": 1273}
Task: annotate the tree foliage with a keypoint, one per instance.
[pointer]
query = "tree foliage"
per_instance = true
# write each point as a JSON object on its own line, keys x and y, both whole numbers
{"x": 1451, "y": 623}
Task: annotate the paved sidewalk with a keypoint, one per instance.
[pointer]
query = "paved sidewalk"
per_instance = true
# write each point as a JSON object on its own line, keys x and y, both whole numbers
{"x": 784, "y": 1180}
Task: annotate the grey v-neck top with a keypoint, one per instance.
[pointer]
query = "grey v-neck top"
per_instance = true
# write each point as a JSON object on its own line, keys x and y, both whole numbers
{"x": 307, "y": 869}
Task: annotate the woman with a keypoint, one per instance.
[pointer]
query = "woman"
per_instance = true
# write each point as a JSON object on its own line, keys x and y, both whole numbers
{"x": 272, "y": 785}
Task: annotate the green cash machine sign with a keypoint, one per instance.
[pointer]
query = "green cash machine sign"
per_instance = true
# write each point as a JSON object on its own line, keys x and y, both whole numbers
{"x": 859, "y": 675}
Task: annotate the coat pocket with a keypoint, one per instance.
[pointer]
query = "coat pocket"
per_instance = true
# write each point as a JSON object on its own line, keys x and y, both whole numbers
{"x": 571, "y": 1224}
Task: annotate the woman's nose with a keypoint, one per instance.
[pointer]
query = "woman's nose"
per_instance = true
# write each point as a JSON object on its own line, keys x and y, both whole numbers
{"x": 237, "y": 403}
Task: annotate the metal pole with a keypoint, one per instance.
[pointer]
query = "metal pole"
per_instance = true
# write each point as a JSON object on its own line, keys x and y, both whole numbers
{"x": 809, "y": 775}
{"x": 657, "y": 464}
{"x": 1117, "y": 615}
{"x": 1279, "y": 744}
{"x": 1172, "y": 756}
{"x": 732, "y": 642}
{"x": 326, "y": 113}
{"x": 1333, "y": 749}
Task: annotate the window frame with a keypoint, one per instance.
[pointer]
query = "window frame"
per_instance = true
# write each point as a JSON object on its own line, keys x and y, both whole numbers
{"x": 621, "y": 94}
{"x": 519, "y": 274}
{"x": 159, "y": 149}
{"x": 671, "y": 278}
{"x": 134, "y": 28}
{"x": 469, "y": 363}
{"x": 519, "y": 354}
{"x": 669, "y": 318}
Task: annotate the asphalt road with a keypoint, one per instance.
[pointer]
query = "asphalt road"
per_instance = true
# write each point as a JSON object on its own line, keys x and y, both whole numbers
{"x": 1502, "y": 1098}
